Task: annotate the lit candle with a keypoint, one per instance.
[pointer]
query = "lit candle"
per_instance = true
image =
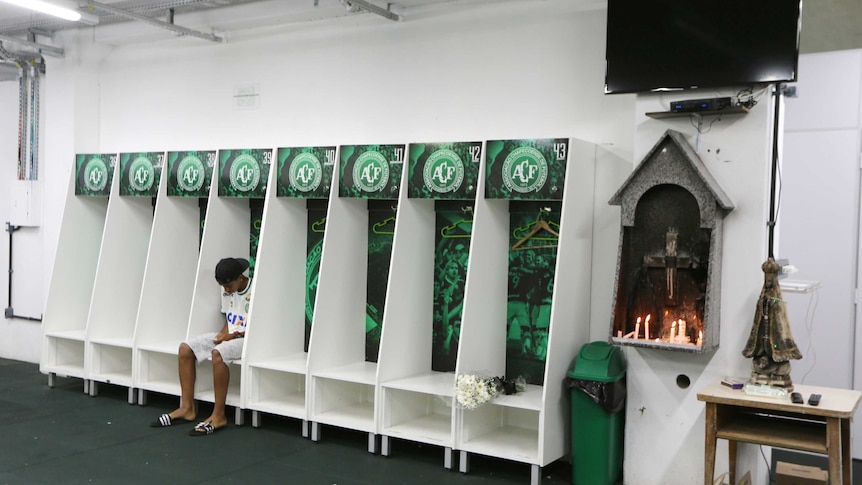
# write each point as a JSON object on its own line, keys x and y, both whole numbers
{"x": 673, "y": 331}
{"x": 646, "y": 328}
{"x": 700, "y": 338}
{"x": 638, "y": 328}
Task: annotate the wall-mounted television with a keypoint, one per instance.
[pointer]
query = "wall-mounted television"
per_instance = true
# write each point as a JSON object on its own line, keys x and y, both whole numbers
{"x": 667, "y": 45}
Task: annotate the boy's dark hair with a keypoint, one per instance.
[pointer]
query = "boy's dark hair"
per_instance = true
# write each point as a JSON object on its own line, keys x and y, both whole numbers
{"x": 229, "y": 269}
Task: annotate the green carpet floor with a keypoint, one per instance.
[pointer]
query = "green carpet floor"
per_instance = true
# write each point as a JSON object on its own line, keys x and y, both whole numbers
{"x": 61, "y": 435}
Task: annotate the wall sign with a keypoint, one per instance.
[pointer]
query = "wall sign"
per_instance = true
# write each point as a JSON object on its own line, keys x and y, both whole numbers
{"x": 305, "y": 172}
{"x": 141, "y": 173}
{"x": 371, "y": 171}
{"x": 190, "y": 173}
{"x": 93, "y": 173}
{"x": 244, "y": 172}
{"x": 526, "y": 169}
{"x": 444, "y": 170}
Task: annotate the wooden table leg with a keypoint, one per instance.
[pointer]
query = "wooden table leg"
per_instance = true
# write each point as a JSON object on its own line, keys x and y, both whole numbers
{"x": 833, "y": 449}
{"x": 845, "y": 451}
{"x": 731, "y": 456}
{"x": 709, "y": 451}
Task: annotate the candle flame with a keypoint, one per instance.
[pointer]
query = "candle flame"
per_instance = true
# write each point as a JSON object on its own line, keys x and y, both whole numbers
{"x": 647, "y": 317}
{"x": 673, "y": 324}
{"x": 639, "y": 319}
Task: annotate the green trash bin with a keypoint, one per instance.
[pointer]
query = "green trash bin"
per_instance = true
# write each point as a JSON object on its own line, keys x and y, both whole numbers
{"x": 598, "y": 393}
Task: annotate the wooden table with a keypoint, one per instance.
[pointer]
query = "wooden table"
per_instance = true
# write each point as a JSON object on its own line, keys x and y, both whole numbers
{"x": 735, "y": 416}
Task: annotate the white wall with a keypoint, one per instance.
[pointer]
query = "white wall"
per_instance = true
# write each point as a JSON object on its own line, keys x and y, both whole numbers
{"x": 820, "y": 234}
{"x": 822, "y": 157}
{"x": 27, "y": 262}
{"x": 8, "y": 166}
{"x": 736, "y": 151}
{"x": 517, "y": 70}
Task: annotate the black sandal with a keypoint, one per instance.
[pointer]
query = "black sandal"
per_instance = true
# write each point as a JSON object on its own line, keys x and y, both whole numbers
{"x": 166, "y": 420}
{"x": 203, "y": 428}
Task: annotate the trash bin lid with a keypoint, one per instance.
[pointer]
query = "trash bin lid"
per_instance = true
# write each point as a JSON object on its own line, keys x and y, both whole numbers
{"x": 599, "y": 361}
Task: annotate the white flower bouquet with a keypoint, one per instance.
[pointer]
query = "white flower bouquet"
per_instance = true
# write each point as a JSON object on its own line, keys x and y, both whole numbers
{"x": 472, "y": 391}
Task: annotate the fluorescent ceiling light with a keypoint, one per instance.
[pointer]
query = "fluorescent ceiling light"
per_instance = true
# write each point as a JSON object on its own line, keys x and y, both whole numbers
{"x": 51, "y": 9}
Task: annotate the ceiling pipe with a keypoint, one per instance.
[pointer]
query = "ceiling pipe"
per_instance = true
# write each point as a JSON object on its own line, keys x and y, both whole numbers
{"x": 370, "y": 7}
{"x": 154, "y": 22}
{"x": 40, "y": 48}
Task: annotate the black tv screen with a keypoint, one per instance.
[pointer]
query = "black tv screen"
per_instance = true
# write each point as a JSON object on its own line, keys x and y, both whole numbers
{"x": 665, "y": 45}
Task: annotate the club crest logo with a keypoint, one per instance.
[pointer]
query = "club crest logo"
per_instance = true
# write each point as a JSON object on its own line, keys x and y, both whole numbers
{"x": 305, "y": 172}
{"x": 443, "y": 172}
{"x": 371, "y": 172}
{"x": 525, "y": 170}
{"x": 95, "y": 175}
{"x": 190, "y": 174}
{"x": 141, "y": 174}
{"x": 244, "y": 173}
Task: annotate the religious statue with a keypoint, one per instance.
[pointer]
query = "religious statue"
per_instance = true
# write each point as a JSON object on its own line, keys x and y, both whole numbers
{"x": 771, "y": 345}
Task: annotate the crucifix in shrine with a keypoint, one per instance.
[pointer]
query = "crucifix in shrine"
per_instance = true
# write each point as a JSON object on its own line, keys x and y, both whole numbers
{"x": 671, "y": 261}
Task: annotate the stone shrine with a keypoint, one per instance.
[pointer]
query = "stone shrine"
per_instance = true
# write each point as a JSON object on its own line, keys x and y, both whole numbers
{"x": 667, "y": 289}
